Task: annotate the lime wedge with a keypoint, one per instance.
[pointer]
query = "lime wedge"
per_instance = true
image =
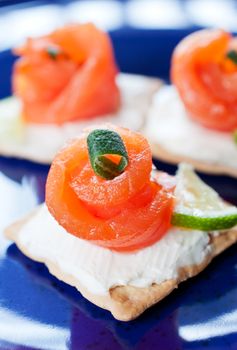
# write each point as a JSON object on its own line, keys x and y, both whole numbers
{"x": 198, "y": 206}
{"x": 11, "y": 125}
{"x": 235, "y": 136}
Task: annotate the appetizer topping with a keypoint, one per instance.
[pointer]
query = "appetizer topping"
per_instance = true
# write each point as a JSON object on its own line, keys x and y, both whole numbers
{"x": 108, "y": 155}
{"x": 67, "y": 75}
{"x": 198, "y": 206}
{"x": 99, "y": 269}
{"x": 125, "y": 213}
{"x": 205, "y": 74}
{"x": 175, "y": 136}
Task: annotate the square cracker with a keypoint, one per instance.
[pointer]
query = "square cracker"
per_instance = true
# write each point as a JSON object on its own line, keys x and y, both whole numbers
{"x": 128, "y": 302}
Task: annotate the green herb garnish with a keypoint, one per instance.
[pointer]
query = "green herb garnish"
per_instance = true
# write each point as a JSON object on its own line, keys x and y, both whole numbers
{"x": 53, "y": 52}
{"x": 102, "y": 143}
{"x": 232, "y": 55}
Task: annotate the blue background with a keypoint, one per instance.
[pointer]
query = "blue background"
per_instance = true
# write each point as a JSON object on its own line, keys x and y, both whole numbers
{"x": 39, "y": 312}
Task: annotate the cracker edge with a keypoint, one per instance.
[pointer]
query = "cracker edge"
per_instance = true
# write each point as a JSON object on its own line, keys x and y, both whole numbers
{"x": 127, "y": 302}
{"x": 160, "y": 153}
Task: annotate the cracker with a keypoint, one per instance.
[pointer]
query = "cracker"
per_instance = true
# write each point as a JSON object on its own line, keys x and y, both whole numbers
{"x": 128, "y": 302}
{"x": 160, "y": 153}
{"x": 40, "y": 143}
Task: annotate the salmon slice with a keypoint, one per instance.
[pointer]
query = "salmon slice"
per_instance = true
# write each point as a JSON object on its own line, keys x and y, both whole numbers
{"x": 127, "y": 213}
{"x": 206, "y": 78}
{"x": 67, "y": 75}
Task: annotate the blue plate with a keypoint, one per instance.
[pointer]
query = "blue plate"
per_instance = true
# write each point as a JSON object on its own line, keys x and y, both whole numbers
{"x": 39, "y": 312}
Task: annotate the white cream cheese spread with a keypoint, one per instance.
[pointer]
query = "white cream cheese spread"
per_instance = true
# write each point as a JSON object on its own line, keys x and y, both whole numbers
{"x": 41, "y": 142}
{"x": 169, "y": 126}
{"x": 99, "y": 269}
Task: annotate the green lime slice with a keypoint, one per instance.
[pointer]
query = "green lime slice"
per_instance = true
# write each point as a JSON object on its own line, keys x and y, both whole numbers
{"x": 198, "y": 206}
{"x": 204, "y": 223}
{"x": 235, "y": 136}
{"x": 102, "y": 143}
{"x": 11, "y": 125}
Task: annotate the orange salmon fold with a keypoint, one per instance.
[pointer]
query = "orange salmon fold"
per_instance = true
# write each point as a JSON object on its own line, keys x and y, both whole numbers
{"x": 127, "y": 213}
{"x": 68, "y": 75}
{"x": 206, "y": 78}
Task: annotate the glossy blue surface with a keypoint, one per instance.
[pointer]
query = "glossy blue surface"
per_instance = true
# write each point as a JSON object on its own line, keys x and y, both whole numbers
{"x": 39, "y": 312}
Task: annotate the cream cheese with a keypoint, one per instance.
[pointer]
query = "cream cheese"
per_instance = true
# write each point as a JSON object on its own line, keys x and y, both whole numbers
{"x": 169, "y": 125}
{"x": 41, "y": 142}
{"x": 99, "y": 269}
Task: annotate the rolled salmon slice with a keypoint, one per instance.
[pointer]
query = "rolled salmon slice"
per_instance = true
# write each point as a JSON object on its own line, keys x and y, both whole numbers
{"x": 67, "y": 75}
{"x": 126, "y": 213}
{"x": 206, "y": 78}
